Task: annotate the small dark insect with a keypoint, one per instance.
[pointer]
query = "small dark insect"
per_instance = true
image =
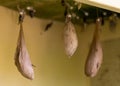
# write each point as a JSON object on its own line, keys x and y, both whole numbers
{"x": 48, "y": 25}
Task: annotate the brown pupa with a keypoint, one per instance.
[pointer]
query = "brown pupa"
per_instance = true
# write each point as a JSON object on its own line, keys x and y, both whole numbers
{"x": 22, "y": 59}
{"x": 95, "y": 54}
{"x": 70, "y": 38}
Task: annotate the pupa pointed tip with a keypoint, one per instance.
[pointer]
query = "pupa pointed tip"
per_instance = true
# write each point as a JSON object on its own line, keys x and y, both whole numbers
{"x": 70, "y": 56}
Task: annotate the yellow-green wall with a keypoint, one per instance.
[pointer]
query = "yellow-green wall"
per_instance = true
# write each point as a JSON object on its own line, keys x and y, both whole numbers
{"x": 53, "y": 68}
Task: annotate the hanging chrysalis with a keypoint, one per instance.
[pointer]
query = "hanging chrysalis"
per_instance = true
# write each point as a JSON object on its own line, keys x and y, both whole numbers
{"x": 22, "y": 59}
{"x": 70, "y": 37}
{"x": 95, "y": 55}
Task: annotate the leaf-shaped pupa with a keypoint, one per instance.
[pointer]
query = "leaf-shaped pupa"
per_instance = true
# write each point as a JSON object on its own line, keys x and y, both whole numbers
{"x": 95, "y": 54}
{"x": 70, "y": 39}
{"x": 22, "y": 59}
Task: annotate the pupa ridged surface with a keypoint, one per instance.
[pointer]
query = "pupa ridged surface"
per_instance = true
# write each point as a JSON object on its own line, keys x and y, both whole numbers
{"x": 70, "y": 39}
{"x": 22, "y": 58}
{"x": 95, "y": 55}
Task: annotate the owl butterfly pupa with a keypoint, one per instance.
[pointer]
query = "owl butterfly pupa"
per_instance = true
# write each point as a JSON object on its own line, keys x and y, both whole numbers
{"x": 22, "y": 58}
{"x": 70, "y": 38}
{"x": 95, "y": 55}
